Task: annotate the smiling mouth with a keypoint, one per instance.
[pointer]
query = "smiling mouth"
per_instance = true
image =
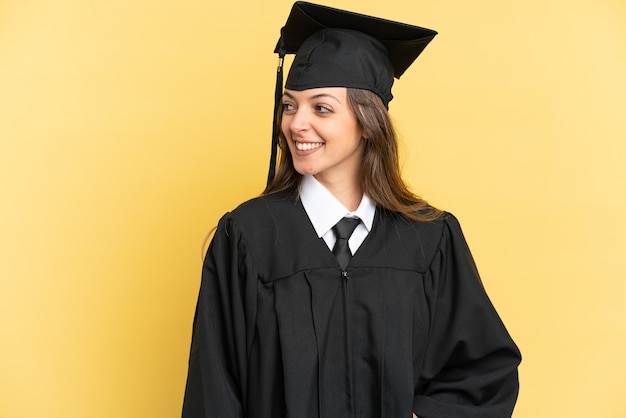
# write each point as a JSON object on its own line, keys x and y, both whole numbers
{"x": 307, "y": 146}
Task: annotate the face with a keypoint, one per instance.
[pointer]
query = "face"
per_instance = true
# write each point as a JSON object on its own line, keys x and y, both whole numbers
{"x": 323, "y": 134}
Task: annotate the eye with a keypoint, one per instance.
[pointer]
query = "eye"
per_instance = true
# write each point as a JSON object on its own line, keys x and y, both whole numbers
{"x": 287, "y": 107}
{"x": 320, "y": 108}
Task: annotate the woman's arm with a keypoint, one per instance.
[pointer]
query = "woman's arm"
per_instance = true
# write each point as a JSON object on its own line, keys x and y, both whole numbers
{"x": 470, "y": 365}
{"x": 217, "y": 362}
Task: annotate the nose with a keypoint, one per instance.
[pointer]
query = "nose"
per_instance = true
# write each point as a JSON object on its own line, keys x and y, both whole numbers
{"x": 299, "y": 120}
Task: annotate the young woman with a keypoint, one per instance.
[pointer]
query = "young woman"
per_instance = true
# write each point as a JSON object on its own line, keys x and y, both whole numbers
{"x": 338, "y": 293}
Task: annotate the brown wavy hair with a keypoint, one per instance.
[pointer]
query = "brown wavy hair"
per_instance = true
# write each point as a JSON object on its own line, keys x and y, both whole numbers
{"x": 380, "y": 173}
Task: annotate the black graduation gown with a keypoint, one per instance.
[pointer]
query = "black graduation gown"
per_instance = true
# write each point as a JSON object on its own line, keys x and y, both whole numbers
{"x": 280, "y": 332}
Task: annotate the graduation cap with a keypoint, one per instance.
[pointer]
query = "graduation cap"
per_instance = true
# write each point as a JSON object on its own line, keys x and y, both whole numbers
{"x": 338, "y": 48}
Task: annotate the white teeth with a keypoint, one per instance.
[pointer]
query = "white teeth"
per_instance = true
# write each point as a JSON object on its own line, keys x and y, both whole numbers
{"x": 306, "y": 146}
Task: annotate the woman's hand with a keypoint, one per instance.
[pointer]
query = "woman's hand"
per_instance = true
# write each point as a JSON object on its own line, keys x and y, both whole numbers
{"x": 415, "y": 416}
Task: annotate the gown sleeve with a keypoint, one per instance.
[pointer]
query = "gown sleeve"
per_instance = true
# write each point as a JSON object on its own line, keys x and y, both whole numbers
{"x": 216, "y": 379}
{"x": 469, "y": 368}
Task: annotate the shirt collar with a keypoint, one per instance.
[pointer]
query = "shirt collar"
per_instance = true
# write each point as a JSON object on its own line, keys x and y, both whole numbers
{"x": 324, "y": 210}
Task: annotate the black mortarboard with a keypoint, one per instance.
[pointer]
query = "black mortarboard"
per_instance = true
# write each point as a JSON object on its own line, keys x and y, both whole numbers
{"x": 338, "y": 48}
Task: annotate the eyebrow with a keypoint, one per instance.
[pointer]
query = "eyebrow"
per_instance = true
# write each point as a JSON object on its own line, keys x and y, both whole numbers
{"x": 317, "y": 96}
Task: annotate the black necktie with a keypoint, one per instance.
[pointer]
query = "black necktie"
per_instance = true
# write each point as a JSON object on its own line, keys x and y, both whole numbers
{"x": 343, "y": 229}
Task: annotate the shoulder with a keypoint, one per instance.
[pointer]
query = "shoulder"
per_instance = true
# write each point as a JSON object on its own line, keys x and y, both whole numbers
{"x": 448, "y": 238}
{"x": 263, "y": 216}
{"x": 264, "y": 208}
{"x": 264, "y": 229}
{"x": 433, "y": 228}
{"x": 424, "y": 240}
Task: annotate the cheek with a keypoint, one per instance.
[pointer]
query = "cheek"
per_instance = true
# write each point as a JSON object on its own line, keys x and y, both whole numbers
{"x": 355, "y": 132}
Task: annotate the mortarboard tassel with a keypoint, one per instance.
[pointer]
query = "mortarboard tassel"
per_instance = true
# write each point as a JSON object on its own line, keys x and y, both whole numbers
{"x": 278, "y": 93}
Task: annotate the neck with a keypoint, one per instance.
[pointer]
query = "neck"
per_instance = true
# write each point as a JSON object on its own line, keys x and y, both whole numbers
{"x": 349, "y": 193}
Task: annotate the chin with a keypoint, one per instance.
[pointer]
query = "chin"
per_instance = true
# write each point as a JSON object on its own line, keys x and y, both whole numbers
{"x": 306, "y": 171}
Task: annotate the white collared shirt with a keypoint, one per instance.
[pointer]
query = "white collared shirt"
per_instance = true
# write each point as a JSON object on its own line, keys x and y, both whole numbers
{"x": 324, "y": 211}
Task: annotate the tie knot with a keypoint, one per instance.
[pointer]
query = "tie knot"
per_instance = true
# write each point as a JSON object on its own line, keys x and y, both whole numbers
{"x": 345, "y": 227}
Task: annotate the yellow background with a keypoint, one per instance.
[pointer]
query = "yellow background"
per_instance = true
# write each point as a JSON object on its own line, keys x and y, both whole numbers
{"x": 127, "y": 127}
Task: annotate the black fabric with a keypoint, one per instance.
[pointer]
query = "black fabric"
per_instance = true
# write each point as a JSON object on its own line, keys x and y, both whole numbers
{"x": 343, "y": 231}
{"x": 339, "y": 48}
{"x": 342, "y": 58}
{"x": 278, "y": 333}
{"x": 404, "y": 42}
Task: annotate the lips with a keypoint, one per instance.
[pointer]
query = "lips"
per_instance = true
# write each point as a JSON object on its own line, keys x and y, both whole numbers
{"x": 308, "y": 146}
